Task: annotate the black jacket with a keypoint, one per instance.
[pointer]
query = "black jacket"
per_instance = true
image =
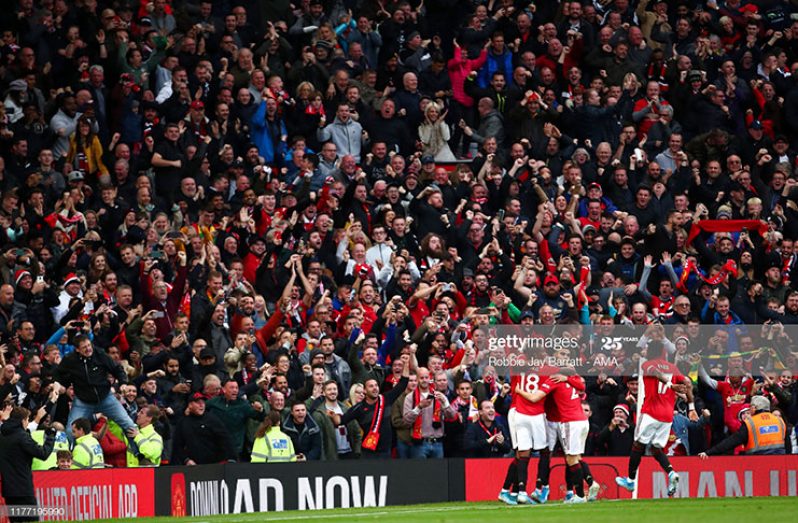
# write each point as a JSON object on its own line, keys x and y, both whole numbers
{"x": 363, "y": 413}
{"x": 475, "y": 440}
{"x": 89, "y": 375}
{"x": 307, "y": 440}
{"x": 203, "y": 439}
{"x": 17, "y": 450}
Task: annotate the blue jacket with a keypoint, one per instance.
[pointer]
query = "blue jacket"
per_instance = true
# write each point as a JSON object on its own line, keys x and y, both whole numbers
{"x": 262, "y": 137}
{"x": 501, "y": 63}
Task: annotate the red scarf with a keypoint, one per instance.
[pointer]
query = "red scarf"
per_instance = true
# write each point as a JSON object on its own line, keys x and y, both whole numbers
{"x": 728, "y": 268}
{"x": 372, "y": 438}
{"x": 436, "y": 413}
{"x": 726, "y": 226}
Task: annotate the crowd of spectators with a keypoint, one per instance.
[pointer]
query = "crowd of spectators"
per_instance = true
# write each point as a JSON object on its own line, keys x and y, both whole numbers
{"x": 232, "y": 208}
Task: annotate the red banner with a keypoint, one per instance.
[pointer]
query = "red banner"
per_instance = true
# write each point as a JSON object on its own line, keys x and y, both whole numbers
{"x": 717, "y": 477}
{"x": 95, "y": 494}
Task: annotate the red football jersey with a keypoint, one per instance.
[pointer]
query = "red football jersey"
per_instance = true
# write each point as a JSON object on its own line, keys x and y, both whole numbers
{"x": 734, "y": 398}
{"x": 567, "y": 402}
{"x": 530, "y": 382}
{"x": 660, "y": 398}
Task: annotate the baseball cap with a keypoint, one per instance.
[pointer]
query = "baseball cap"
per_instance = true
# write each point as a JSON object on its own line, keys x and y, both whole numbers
{"x": 550, "y": 278}
{"x": 427, "y": 159}
{"x": 197, "y": 105}
{"x": 75, "y": 176}
{"x": 756, "y": 125}
{"x": 198, "y": 396}
{"x": 207, "y": 352}
{"x": 594, "y": 185}
{"x": 527, "y": 314}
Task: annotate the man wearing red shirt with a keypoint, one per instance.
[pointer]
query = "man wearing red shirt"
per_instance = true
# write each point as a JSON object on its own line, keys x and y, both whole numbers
{"x": 573, "y": 425}
{"x": 646, "y": 111}
{"x": 661, "y": 381}
{"x": 527, "y": 421}
{"x": 736, "y": 393}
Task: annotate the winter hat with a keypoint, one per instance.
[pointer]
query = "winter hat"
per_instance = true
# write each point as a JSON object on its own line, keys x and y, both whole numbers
{"x": 21, "y": 273}
{"x": 71, "y": 278}
{"x": 622, "y": 408}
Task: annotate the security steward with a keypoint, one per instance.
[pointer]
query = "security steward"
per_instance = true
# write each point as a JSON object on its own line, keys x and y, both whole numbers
{"x": 17, "y": 451}
{"x": 148, "y": 444}
{"x": 272, "y": 445}
{"x": 61, "y": 443}
{"x": 762, "y": 433}
{"x": 87, "y": 454}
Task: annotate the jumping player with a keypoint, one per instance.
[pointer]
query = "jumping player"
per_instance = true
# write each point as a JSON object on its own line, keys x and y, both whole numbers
{"x": 661, "y": 381}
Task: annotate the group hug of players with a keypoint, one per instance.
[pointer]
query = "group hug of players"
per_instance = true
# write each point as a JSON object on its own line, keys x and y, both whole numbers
{"x": 547, "y": 408}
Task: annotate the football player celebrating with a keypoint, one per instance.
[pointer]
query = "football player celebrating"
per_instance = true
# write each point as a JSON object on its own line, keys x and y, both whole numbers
{"x": 661, "y": 381}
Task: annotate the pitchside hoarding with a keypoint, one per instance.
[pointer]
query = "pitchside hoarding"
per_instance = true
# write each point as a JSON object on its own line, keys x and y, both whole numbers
{"x": 246, "y": 488}
{"x": 719, "y": 476}
{"x": 84, "y": 495}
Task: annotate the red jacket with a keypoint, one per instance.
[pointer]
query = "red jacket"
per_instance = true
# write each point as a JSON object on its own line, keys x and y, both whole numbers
{"x": 114, "y": 449}
{"x": 458, "y": 72}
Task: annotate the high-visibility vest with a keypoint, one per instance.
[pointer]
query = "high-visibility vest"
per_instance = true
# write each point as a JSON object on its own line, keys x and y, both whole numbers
{"x": 61, "y": 443}
{"x": 87, "y": 454}
{"x": 766, "y": 433}
{"x": 274, "y": 447}
{"x": 150, "y": 445}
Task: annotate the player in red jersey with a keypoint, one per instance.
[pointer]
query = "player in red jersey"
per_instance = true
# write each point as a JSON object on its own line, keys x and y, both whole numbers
{"x": 527, "y": 422}
{"x": 661, "y": 381}
{"x": 573, "y": 425}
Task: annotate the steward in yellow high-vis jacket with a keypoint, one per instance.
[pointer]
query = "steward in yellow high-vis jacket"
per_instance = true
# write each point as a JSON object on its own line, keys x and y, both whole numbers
{"x": 87, "y": 453}
{"x": 147, "y": 445}
{"x": 271, "y": 444}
